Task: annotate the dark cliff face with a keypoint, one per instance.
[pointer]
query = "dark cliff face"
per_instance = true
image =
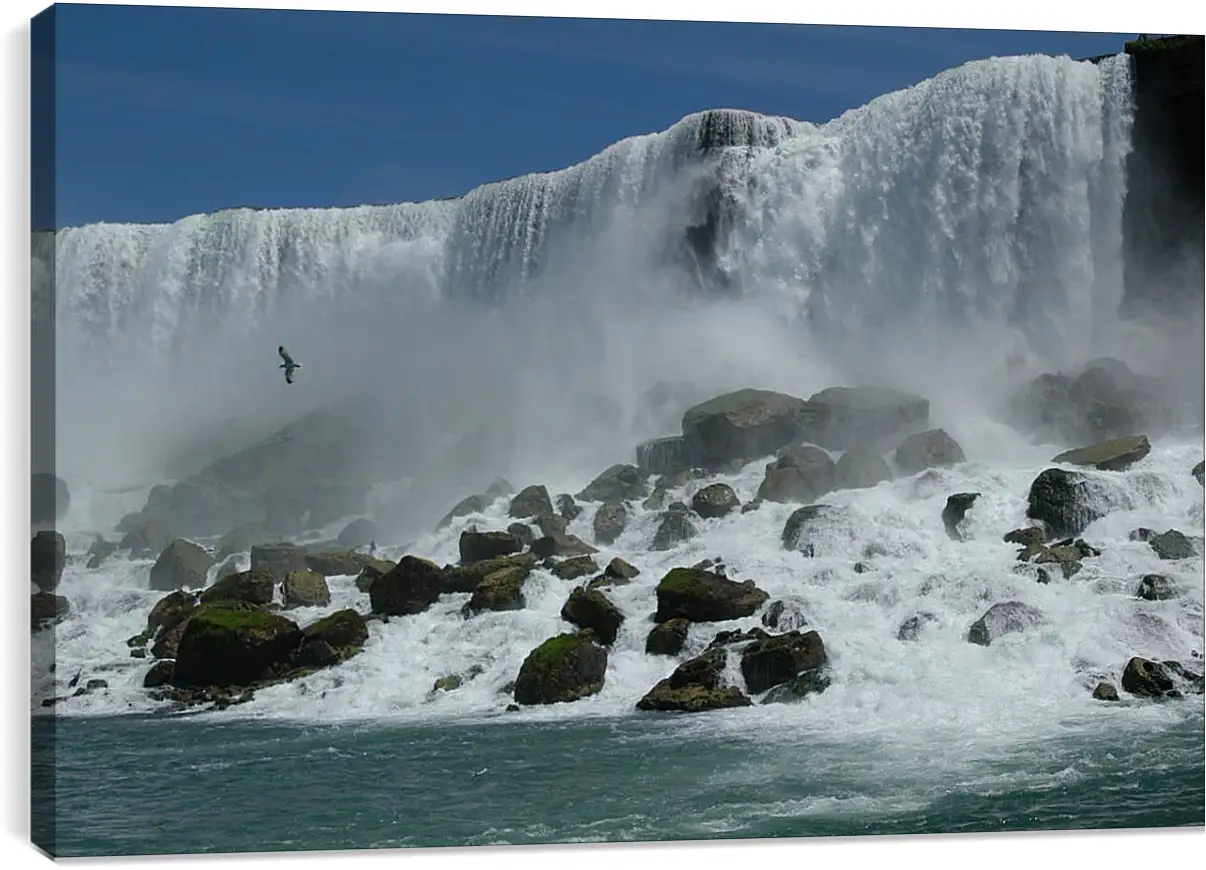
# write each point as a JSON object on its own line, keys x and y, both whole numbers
{"x": 1163, "y": 231}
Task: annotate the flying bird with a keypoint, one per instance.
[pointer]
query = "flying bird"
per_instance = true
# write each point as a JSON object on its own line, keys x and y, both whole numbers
{"x": 288, "y": 365}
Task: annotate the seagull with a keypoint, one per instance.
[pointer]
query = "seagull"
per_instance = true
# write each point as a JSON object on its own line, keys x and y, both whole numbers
{"x": 288, "y": 365}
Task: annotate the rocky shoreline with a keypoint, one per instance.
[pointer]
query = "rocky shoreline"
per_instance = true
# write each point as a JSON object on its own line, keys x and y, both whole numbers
{"x": 215, "y": 644}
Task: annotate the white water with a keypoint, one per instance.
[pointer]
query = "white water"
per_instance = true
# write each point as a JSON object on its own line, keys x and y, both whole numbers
{"x": 916, "y": 241}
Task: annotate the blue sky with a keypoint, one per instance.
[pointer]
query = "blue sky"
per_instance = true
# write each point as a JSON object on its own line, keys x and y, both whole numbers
{"x": 165, "y": 112}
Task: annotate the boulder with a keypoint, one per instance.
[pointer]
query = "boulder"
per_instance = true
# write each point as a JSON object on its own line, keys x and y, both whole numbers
{"x": 360, "y": 532}
{"x": 702, "y": 596}
{"x": 1062, "y": 501}
{"x": 578, "y": 566}
{"x": 1105, "y": 692}
{"x": 278, "y": 559}
{"x": 502, "y": 590}
{"x": 256, "y": 586}
{"x": 371, "y": 571}
{"x": 241, "y": 540}
{"x": 1199, "y": 471}
{"x": 667, "y": 638}
{"x": 563, "y": 668}
{"x": 529, "y": 502}
{"x": 912, "y": 627}
{"x": 610, "y": 520}
{"x": 49, "y": 498}
{"x": 479, "y": 546}
{"x": 1118, "y": 454}
{"x": 617, "y": 483}
{"x": 411, "y": 586}
{"x": 170, "y": 611}
{"x": 182, "y": 565}
{"x": 47, "y": 557}
{"x": 591, "y": 609}
{"x": 99, "y": 552}
{"x": 1172, "y": 545}
{"x": 305, "y": 589}
{"x": 147, "y": 536}
{"x": 1032, "y": 536}
{"x": 618, "y": 569}
{"x": 567, "y": 508}
{"x": 1067, "y": 554}
{"x": 225, "y": 646}
{"x": 336, "y": 563}
{"x": 552, "y": 525}
{"x": 784, "y": 616}
{"x": 841, "y": 418}
{"x": 161, "y": 673}
{"x": 473, "y": 504}
{"x": 933, "y": 448}
{"x": 781, "y": 658}
{"x": 860, "y": 468}
{"x": 1156, "y": 587}
{"x": 809, "y": 682}
{"x": 523, "y": 533}
{"x": 47, "y": 609}
{"x": 802, "y": 524}
{"x": 956, "y": 508}
{"x": 558, "y": 544}
{"x": 344, "y": 631}
{"x": 1102, "y": 402}
{"x": 465, "y": 578}
{"x": 663, "y": 455}
{"x": 1147, "y": 679}
{"x": 695, "y": 686}
{"x": 715, "y": 501}
{"x": 799, "y": 474}
{"x": 674, "y": 528}
{"x": 741, "y": 426}
{"x": 1008, "y": 617}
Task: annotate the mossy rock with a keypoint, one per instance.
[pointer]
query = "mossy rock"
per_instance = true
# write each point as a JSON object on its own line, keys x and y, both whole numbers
{"x": 305, "y": 589}
{"x": 780, "y": 659}
{"x": 502, "y": 590}
{"x": 591, "y": 609}
{"x": 578, "y": 566}
{"x": 479, "y": 546}
{"x": 565, "y": 546}
{"x": 338, "y": 563}
{"x": 371, "y": 570}
{"x": 231, "y": 646}
{"x": 257, "y": 586}
{"x": 667, "y": 638}
{"x": 694, "y": 687}
{"x": 464, "y": 578}
{"x": 703, "y": 596}
{"x": 343, "y": 628}
{"x": 169, "y": 612}
{"x": 621, "y": 570}
{"x": 413, "y": 585}
{"x": 563, "y": 668}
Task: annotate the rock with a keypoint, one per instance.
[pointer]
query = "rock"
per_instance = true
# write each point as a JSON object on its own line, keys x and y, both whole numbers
{"x": 449, "y": 683}
{"x": 801, "y": 525}
{"x": 715, "y": 501}
{"x": 49, "y": 498}
{"x": 619, "y": 569}
{"x": 161, "y": 673}
{"x": 359, "y": 533}
{"x": 663, "y": 455}
{"x": 1061, "y": 501}
{"x": 781, "y": 658}
{"x": 278, "y": 559}
{"x": 479, "y": 546}
{"x": 1116, "y": 455}
{"x": 551, "y": 525}
{"x": 47, "y": 609}
{"x": 617, "y": 483}
{"x": 780, "y": 616}
{"x": 413, "y": 585}
{"x": 565, "y": 546}
{"x": 502, "y": 590}
{"x": 567, "y": 508}
{"x": 1005, "y": 618}
{"x": 578, "y": 566}
{"x": 1105, "y": 692}
{"x": 741, "y": 426}
{"x": 675, "y": 528}
{"x": 344, "y": 632}
{"x": 147, "y": 535}
{"x": 224, "y": 646}
{"x": 1029, "y": 538}
{"x": 695, "y": 686}
{"x": 523, "y": 533}
{"x": 1098, "y": 404}
{"x": 1147, "y": 679}
{"x": 256, "y": 586}
{"x": 305, "y": 589}
{"x": 99, "y": 552}
{"x": 336, "y": 563}
{"x": 911, "y": 628}
{"x": 230, "y": 566}
{"x": 48, "y": 555}
{"x": 465, "y": 578}
{"x": 842, "y": 417}
{"x": 500, "y": 487}
{"x": 667, "y": 638}
{"x": 241, "y": 540}
{"x": 531, "y": 501}
{"x": 609, "y": 523}
{"x": 181, "y": 565}
{"x": 563, "y": 668}
{"x": 810, "y": 682}
{"x": 1156, "y": 587}
{"x": 170, "y": 611}
{"x": 702, "y": 596}
{"x": 1172, "y": 545}
{"x": 589, "y": 608}
{"x": 371, "y": 571}
{"x": 1199, "y": 471}
{"x": 860, "y": 468}
{"x": 933, "y": 448}
{"x": 799, "y": 474}
{"x": 957, "y": 506}
{"x": 474, "y": 504}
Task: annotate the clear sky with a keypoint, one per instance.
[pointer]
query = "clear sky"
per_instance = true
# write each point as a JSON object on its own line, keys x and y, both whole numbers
{"x": 165, "y": 112}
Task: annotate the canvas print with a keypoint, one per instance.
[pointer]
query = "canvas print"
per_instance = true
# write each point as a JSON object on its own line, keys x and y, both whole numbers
{"x": 464, "y": 430}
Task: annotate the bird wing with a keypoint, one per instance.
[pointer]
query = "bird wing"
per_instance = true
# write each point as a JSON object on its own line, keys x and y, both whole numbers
{"x": 285, "y": 355}
{"x": 289, "y": 375}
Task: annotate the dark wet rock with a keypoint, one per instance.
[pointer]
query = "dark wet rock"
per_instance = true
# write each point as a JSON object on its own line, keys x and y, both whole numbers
{"x": 667, "y": 638}
{"x": 781, "y": 658}
{"x": 464, "y": 578}
{"x": 1062, "y": 501}
{"x": 160, "y": 674}
{"x": 656, "y": 500}
{"x": 617, "y": 483}
{"x": 47, "y": 609}
{"x": 590, "y": 608}
{"x": 956, "y": 508}
{"x": 360, "y": 532}
{"x": 181, "y": 565}
{"x": 933, "y": 448}
{"x": 663, "y": 455}
{"x": 278, "y": 559}
{"x": 502, "y": 590}
{"x": 1102, "y": 402}
{"x": 305, "y": 589}
{"x": 479, "y": 546}
{"x": 567, "y": 667}
{"x": 1144, "y": 535}
{"x": 752, "y": 505}
{"x": 1199, "y": 471}
{"x": 523, "y": 533}
{"x": 799, "y": 474}
{"x": 674, "y": 528}
{"x": 531, "y": 501}
{"x": 912, "y": 627}
{"x": 242, "y": 539}
{"x": 256, "y": 586}
{"x": 810, "y": 682}
{"x": 860, "y": 468}
{"x": 228, "y": 646}
{"x": 168, "y": 612}
{"x": 373, "y": 569}
{"x": 784, "y": 616}
{"x": 49, "y": 498}
{"x": 741, "y": 426}
{"x": 715, "y": 501}
{"x": 336, "y": 563}
{"x": 1105, "y": 692}
{"x": 840, "y": 418}
{"x": 737, "y": 637}
{"x": 1147, "y": 679}
{"x": 1172, "y": 545}
{"x": 147, "y": 536}
{"x": 1032, "y": 536}
{"x": 702, "y": 596}
{"x": 578, "y": 566}
{"x": 1118, "y": 454}
{"x": 695, "y": 686}
{"x": 413, "y": 585}
{"x": 473, "y": 504}
{"x": 344, "y": 631}
{"x": 609, "y": 523}
{"x": 561, "y": 545}
{"x": 861, "y": 568}
{"x": 621, "y": 570}
{"x": 567, "y": 508}
{"x": 48, "y": 556}
{"x": 1068, "y": 554}
{"x": 1008, "y": 617}
{"x": 100, "y": 550}
{"x": 802, "y": 524}
{"x": 1157, "y": 587}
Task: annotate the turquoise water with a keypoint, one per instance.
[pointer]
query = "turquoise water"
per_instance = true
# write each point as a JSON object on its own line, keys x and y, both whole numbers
{"x": 141, "y": 785}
